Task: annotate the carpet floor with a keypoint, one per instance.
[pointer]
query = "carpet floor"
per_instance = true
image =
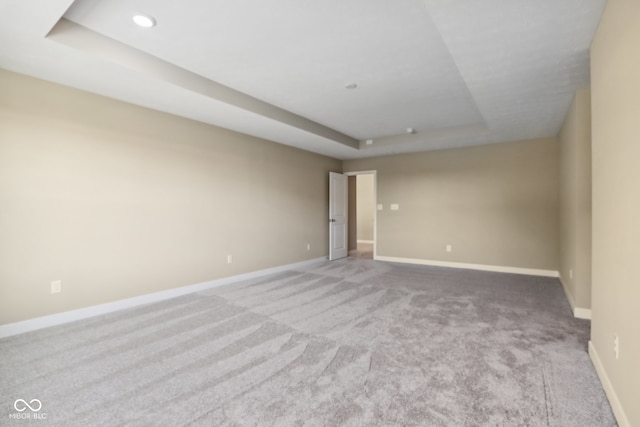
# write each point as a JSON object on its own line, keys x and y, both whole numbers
{"x": 352, "y": 342}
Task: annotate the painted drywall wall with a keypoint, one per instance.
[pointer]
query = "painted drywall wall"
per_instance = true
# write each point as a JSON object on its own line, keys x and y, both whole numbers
{"x": 495, "y": 204}
{"x": 118, "y": 201}
{"x": 365, "y": 200}
{"x": 575, "y": 203}
{"x": 615, "y": 102}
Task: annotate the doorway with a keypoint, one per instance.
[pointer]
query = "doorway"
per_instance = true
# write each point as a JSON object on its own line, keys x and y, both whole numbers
{"x": 362, "y": 214}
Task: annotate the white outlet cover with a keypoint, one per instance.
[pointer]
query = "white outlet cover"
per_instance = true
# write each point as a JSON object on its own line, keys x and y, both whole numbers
{"x": 56, "y": 286}
{"x": 380, "y": 207}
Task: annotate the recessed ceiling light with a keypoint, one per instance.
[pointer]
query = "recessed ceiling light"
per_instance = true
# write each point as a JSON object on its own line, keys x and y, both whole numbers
{"x": 411, "y": 131}
{"x": 351, "y": 86}
{"x": 369, "y": 141}
{"x": 144, "y": 21}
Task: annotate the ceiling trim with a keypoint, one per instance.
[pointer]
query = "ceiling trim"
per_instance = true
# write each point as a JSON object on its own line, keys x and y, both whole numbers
{"x": 81, "y": 38}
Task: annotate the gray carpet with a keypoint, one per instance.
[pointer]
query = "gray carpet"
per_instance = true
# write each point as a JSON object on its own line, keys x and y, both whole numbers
{"x": 351, "y": 343}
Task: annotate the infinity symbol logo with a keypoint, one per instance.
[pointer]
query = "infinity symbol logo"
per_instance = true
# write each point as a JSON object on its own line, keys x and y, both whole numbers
{"x": 21, "y": 405}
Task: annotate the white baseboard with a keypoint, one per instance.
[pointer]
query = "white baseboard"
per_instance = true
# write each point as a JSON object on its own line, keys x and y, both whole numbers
{"x": 569, "y": 295}
{"x": 618, "y": 411}
{"x": 366, "y": 241}
{"x": 578, "y": 312}
{"x": 582, "y": 313}
{"x": 96, "y": 310}
{"x": 483, "y": 267}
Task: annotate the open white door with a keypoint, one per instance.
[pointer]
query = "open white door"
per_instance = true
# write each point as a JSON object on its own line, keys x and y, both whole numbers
{"x": 338, "y": 188}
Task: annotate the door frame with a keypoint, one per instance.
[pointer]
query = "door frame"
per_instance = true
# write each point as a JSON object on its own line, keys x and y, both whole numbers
{"x": 373, "y": 172}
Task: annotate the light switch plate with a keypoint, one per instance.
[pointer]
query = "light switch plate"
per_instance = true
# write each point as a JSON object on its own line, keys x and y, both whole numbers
{"x": 380, "y": 207}
{"x": 395, "y": 207}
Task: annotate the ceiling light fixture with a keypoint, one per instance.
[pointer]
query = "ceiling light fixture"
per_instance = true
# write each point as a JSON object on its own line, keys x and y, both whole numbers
{"x": 411, "y": 131}
{"x": 369, "y": 141}
{"x": 351, "y": 86}
{"x": 144, "y": 21}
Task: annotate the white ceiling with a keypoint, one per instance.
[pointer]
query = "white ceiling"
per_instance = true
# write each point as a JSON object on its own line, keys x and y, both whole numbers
{"x": 460, "y": 72}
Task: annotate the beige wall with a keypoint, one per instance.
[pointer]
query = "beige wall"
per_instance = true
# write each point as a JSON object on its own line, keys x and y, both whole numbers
{"x": 615, "y": 97}
{"x": 119, "y": 201}
{"x": 575, "y": 202}
{"x": 495, "y": 204}
{"x": 365, "y": 209}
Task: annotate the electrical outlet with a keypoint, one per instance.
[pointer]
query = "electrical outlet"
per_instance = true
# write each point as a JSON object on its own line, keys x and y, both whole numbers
{"x": 56, "y": 286}
{"x": 229, "y": 259}
{"x": 379, "y": 207}
{"x": 616, "y": 346}
{"x": 448, "y": 248}
{"x": 308, "y": 246}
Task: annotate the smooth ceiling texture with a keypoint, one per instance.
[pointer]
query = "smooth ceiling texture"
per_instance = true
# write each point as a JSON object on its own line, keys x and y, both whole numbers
{"x": 458, "y": 72}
